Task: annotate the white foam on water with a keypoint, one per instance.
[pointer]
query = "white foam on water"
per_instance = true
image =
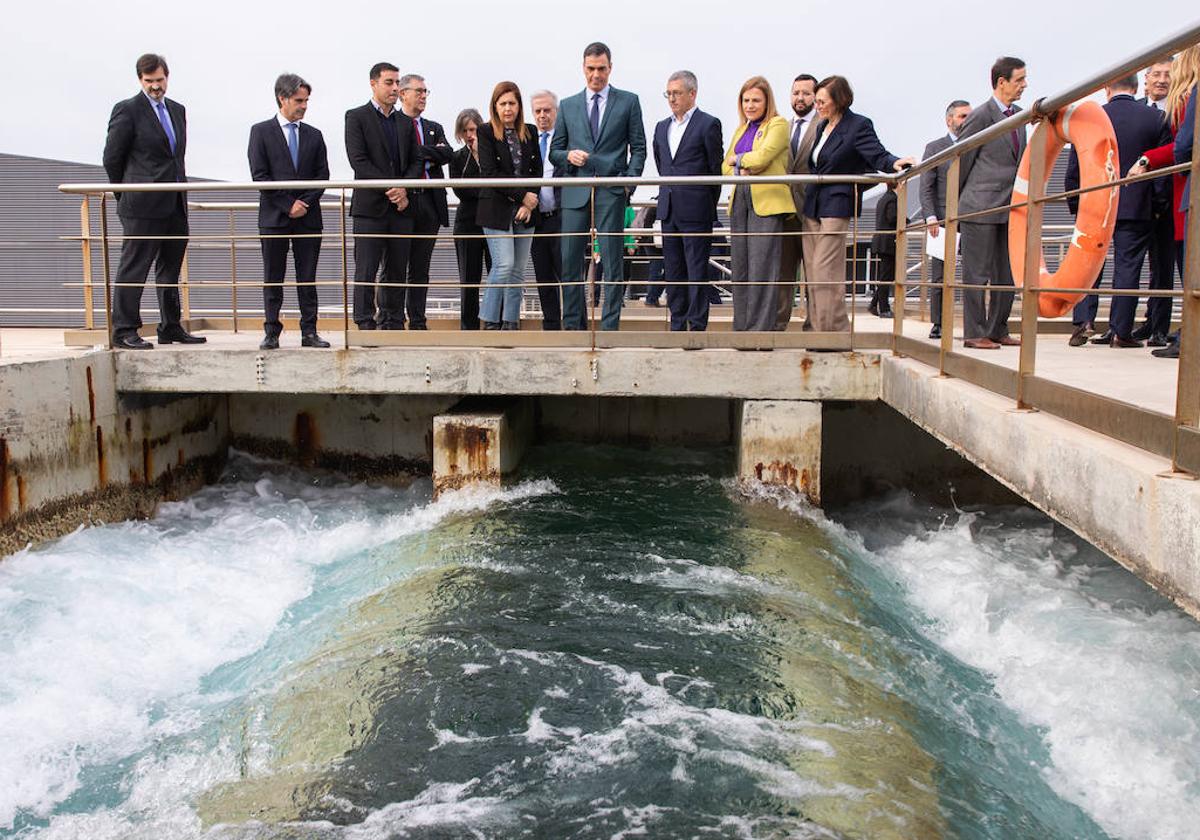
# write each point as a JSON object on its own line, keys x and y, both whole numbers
{"x": 1112, "y": 687}
{"x": 106, "y": 634}
{"x": 442, "y": 805}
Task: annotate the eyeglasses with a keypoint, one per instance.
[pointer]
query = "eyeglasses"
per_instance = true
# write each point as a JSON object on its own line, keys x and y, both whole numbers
{"x": 674, "y": 94}
{"x": 419, "y": 91}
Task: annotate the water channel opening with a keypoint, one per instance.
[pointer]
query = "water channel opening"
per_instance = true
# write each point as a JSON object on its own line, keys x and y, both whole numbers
{"x": 618, "y": 641}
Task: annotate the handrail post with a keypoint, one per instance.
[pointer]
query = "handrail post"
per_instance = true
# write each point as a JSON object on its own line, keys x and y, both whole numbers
{"x": 949, "y": 263}
{"x": 1187, "y": 395}
{"x": 923, "y": 297}
{"x": 85, "y": 224}
{"x": 1034, "y": 213}
{"x": 900, "y": 264}
{"x": 233, "y": 267}
{"x": 185, "y": 296}
{"x": 854, "y": 209}
{"x": 108, "y": 324}
{"x": 590, "y": 287}
{"x": 345, "y": 275}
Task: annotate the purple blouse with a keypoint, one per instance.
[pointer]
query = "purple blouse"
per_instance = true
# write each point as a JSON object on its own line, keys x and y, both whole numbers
{"x": 746, "y": 142}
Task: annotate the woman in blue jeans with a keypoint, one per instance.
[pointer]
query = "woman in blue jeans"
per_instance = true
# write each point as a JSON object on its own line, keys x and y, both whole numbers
{"x": 508, "y": 148}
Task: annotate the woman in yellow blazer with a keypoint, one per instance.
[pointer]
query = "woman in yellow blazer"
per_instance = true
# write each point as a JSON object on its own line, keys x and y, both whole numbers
{"x": 759, "y": 147}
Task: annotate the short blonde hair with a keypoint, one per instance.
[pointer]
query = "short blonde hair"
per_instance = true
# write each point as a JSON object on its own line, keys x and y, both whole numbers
{"x": 762, "y": 84}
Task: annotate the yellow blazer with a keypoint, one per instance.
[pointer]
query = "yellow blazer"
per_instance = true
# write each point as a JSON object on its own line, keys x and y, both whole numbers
{"x": 770, "y": 151}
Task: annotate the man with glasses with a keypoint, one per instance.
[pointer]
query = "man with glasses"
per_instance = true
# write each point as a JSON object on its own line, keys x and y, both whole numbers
{"x": 429, "y": 210}
{"x": 687, "y": 143}
{"x": 546, "y": 250}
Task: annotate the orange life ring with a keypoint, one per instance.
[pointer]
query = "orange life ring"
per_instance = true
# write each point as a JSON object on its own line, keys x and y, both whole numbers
{"x": 1086, "y": 126}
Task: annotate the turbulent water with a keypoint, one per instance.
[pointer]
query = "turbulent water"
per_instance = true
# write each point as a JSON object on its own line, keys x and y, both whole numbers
{"x": 620, "y": 644}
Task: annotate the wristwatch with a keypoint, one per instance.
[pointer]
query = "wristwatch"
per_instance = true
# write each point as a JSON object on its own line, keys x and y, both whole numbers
{"x": 1143, "y": 161}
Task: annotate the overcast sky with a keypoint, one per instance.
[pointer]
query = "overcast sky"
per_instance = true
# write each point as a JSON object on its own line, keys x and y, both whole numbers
{"x": 65, "y": 63}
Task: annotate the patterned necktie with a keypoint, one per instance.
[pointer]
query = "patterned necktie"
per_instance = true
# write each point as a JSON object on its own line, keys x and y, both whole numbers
{"x": 294, "y": 145}
{"x": 594, "y": 119}
{"x": 166, "y": 124}
{"x": 796, "y": 138}
{"x": 1012, "y": 135}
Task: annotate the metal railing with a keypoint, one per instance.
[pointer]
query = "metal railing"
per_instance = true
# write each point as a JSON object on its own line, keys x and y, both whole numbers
{"x": 1174, "y": 436}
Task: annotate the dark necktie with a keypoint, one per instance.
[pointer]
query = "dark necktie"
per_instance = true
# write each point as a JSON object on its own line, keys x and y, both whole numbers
{"x": 594, "y": 118}
{"x": 294, "y": 145}
{"x": 796, "y": 139}
{"x": 1012, "y": 135}
{"x": 421, "y": 142}
{"x": 166, "y": 124}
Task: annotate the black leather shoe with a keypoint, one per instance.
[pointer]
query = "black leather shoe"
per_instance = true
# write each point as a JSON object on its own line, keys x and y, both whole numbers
{"x": 1141, "y": 333}
{"x": 366, "y": 325}
{"x": 1171, "y": 351}
{"x": 178, "y": 335}
{"x": 270, "y": 342}
{"x": 886, "y": 312}
{"x": 935, "y": 331}
{"x": 1157, "y": 340}
{"x": 313, "y": 340}
{"x": 1105, "y": 337}
{"x": 491, "y": 325}
{"x": 873, "y": 308}
{"x": 131, "y": 342}
{"x": 413, "y": 326}
{"x": 509, "y": 326}
{"x": 1117, "y": 341}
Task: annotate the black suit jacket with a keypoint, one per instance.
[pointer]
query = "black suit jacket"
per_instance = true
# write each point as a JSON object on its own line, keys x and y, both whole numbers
{"x": 270, "y": 160}
{"x": 886, "y": 212}
{"x": 497, "y": 205}
{"x": 366, "y": 147}
{"x": 137, "y": 151}
{"x": 1138, "y": 129}
{"x": 437, "y": 152}
{"x": 699, "y": 153}
{"x": 853, "y": 148}
{"x": 933, "y": 182}
{"x": 465, "y": 166}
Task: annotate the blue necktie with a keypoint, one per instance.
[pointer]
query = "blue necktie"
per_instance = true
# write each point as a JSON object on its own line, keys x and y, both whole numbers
{"x": 545, "y": 194}
{"x": 542, "y": 144}
{"x": 166, "y": 124}
{"x": 594, "y": 120}
{"x": 294, "y": 145}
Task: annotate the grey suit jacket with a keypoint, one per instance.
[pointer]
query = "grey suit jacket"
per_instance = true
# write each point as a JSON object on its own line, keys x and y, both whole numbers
{"x": 798, "y": 163}
{"x": 987, "y": 173}
{"x": 933, "y": 182}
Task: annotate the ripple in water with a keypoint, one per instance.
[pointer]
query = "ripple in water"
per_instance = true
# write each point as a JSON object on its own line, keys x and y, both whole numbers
{"x": 620, "y": 645}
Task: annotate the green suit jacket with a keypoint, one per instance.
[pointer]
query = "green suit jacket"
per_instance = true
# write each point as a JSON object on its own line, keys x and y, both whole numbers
{"x": 619, "y": 149}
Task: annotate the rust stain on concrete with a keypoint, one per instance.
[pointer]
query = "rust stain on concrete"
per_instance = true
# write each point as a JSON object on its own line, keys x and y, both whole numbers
{"x": 147, "y": 461}
{"x": 101, "y": 461}
{"x": 305, "y": 437}
{"x": 4, "y": 501}
{"x": 91, "y": 397}
{"x": 21, "y": 504}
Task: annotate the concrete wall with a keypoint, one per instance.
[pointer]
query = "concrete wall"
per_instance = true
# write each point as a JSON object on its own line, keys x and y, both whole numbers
{"x": 72, "y": 451}
{"x": 661, "y": 420}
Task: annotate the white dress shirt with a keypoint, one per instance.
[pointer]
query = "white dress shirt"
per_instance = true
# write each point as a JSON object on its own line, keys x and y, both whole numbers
{"x": 676, "y": 128}
{"x": 546, "y": 194}
{"x": 1157, "y": 104}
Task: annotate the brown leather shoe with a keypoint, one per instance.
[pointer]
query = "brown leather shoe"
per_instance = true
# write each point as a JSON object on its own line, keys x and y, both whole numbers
{"x": 1117, "y": 341}
{"x": 1008, "y": 341}
{"x": 981, "y": 344}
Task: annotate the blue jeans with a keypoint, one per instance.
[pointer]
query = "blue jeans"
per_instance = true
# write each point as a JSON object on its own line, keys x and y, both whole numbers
{"x": 509, "y": 256}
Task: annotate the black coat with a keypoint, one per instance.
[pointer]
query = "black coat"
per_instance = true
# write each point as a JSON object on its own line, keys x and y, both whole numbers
{"x": 270, "y": 160}
{"x": 497, "y": 205}
{"x": 437, "y": 152}
{"x": 884, "y": 240}
{"x": 137, "y": 151}
{"x": 464, "y": 166}
{"x": 366, "y": 147}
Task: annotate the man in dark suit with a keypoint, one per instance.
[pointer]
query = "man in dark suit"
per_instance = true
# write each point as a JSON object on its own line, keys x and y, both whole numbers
{"x": 986, "y": 181}
{"x": 147, "y": 139}
{"x": 1164, "y": 250}
{"x": 379, "y": 144}
{"x": 546, "y": 249}
{"x": 599, "y": 133}
{"x": 285, "y": 149}
{"x": 883, "y": 245}
{"x": 1137, "y": 128}
{"x": 803, "y": 132}
{"x": 428, "y": 206}
{"x": 933, "y": 201}
{"x": 687, "y": 143}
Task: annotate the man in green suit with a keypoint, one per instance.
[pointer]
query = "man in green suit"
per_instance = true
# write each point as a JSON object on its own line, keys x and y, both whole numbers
{"x": 598, "y": 133}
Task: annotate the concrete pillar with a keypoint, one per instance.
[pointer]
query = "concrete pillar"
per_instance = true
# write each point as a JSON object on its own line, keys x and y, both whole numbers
{"x": 480, "y": 440}
{"x": 779, "y": 442}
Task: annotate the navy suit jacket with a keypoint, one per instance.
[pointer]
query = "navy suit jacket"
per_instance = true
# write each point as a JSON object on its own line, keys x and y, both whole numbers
{"x": 137, "y": 151}
{"x": 270, "y": 160}
{"x": 1138, "y": 129}
{"x": 699, "y": 153}
{"x": 853, "y": 148}
{"x": 1183, "y": 143}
